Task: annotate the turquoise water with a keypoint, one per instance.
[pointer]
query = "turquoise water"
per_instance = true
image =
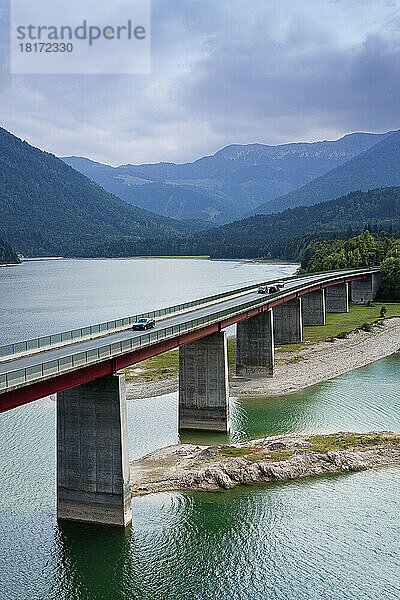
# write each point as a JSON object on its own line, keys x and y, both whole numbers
{"x": 333, "y": 538}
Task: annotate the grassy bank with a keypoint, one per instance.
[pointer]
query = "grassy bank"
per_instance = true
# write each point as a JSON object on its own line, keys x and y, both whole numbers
{"x": 354, "y": 319}
{"x": 165, "y": 365}
{"x": 336, "y": 442}
{"x": 342, "y": 323}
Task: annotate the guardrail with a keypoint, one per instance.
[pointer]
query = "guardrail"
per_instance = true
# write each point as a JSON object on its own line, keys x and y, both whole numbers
{"x": 107, "y": 327}
{"x": 76, "y": 335}
{"x": 81, "y": 359}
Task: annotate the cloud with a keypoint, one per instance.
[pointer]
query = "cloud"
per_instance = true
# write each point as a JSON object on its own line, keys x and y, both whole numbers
{"x": 224, "y": 72}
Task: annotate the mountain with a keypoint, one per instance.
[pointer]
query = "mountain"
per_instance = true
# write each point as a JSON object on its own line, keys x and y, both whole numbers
{"x": 263, "y": 235}
{"x": 224, "y": 186}
{"x": 7, "y": 254}
{"x": 172, "y": 201}
{"x": 281, "y": 235}
{"x": 377, "y": 166}
{"x": 49, "y": 208}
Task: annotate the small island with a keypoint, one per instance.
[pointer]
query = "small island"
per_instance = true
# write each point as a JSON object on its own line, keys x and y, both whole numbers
{"x": 185, "y": 467}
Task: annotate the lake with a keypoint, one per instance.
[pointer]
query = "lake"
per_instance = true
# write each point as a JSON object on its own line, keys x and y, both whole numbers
{"x": 333, "y": 538}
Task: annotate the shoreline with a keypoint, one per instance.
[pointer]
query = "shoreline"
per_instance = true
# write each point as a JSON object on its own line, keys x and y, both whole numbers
{"x": 271, "y": 261}
{"x": 189, "y": 467}
{"x": 295, "y": 371}
{"x": 10, "y": 264}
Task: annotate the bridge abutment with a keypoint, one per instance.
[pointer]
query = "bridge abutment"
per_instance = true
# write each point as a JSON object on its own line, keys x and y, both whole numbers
{"x": 313, "y": 308}
{"x": 364, "y": 290}
{"x": 288, "y": 324}
{"x": 337, "y": 298}
{"x": 203, "y": 384}
{"x": 93, "y": 482}
{"x": 255, "y": 346}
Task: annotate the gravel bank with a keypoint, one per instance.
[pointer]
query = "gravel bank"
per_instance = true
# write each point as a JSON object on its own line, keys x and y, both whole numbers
{"x": 316, "y": 363}
{"x": 325, "y": 360}
{"x": 136, "y": 390}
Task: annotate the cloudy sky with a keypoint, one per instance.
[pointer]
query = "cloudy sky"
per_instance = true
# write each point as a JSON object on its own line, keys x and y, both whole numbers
{"x": 224, "y": 71}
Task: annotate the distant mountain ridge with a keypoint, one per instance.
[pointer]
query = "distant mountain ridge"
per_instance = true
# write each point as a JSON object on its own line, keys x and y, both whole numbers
{"x": 48, "y": 208}
{"x": 257, "y": 236}
{"x": 348, "y": 145}
{"x": 163, "y": 199}
{"x": 228, "y": 184}
{"x": 378, "y": 166}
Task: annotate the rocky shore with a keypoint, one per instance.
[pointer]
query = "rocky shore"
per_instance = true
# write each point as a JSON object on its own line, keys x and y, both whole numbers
{"x": 278, "y": 458}
{"x": 295, "y": 371}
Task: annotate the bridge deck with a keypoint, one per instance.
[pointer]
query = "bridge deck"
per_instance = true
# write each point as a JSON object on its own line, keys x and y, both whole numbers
{"x": 29, "y": 369}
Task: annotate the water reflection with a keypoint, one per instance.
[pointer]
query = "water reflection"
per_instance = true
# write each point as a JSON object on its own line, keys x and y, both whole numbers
{"x": 333, "y": 538}
{"x": 92, "y": 560}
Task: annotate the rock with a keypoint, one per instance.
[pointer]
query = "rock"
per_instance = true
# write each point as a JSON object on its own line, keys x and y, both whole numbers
{"x": 277, "y": 446}
{"x": 251, "y": 474}
{"x": 221, "y": 478}
{"x": 209, "y": 452}
{"x": 187, "y": 467}
{"x": 235, "y": 470}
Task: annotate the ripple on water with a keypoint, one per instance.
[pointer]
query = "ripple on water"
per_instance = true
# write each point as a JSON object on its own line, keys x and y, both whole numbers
{"x": 364, "y": 400}
{"x": 333, "y": 538}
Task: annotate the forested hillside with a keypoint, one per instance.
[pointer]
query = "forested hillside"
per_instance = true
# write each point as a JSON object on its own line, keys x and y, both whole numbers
{"x": 283, "y": 235}
{"x": 362, "y": 251}
{"x": 48, "y": 208}
{"x": 377, "y": 166}
{"x": 7, "y": 254}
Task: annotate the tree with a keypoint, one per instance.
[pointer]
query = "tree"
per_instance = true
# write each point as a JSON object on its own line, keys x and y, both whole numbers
{"x": 390, "y": 288}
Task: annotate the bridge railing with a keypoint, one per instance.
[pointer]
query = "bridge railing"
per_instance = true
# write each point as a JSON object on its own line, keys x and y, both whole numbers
{"x": 81, "y": 359}
{"x": 99, "y": 329}
{"x": 107, "y": 327}
{"x": 81, "y": 333}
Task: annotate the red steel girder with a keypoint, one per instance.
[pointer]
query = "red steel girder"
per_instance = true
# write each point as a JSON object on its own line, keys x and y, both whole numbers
{"x": 58, "y": 383}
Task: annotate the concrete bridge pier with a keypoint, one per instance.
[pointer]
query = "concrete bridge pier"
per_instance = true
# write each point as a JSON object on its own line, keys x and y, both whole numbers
{"x": 93, "y": 482}
{"x": 337, "y": 298}
{"x": 288, "y": 323}
{"x": 364, "y": 290}
{"x": 203, "y": 384}
{"x": 313, "y": 308}
{"x": 255, "y": 346}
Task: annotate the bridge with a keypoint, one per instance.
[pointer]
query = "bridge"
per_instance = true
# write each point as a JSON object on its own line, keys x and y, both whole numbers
{"x": 83, "y": 367}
